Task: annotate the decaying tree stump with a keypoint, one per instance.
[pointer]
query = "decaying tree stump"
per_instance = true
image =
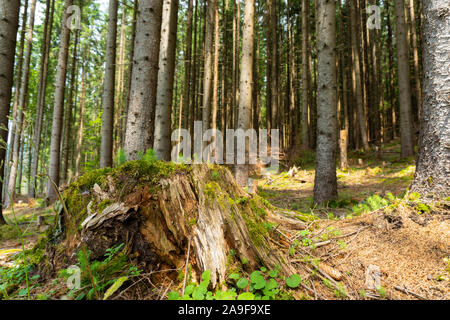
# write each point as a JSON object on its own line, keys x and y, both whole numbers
{"x": 160, "y": 214}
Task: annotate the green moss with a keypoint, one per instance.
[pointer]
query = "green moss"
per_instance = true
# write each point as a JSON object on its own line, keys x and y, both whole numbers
{"x": 8, "y": 232}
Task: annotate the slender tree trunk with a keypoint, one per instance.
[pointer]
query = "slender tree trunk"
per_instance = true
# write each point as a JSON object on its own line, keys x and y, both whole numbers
{"x": 357, "y": 78}
{"x": 164, "y": 95}
{"x": 246, "y": 81}
{"x": 274, "y": 54}
{"x": 208, "y": 69}
{"x": 45, "y": 53}
{"x": 415, "y": 51}
{"x": 130, "y": 72}
{"x": 433, "y": 161}
{"x": 215, "y": 99}
{"x": 325, "y": 183}
{"x": 67, "y": 128}
{"x": 58, "y": 106}
{"x": 404, "y": 85}
{"x": 187, "y": 68}
{"x": 306, "y": 75}
{"x": 391, "y": 77}
{"x": 79, "y": 137}
{"x": 9, "y": 23}
{"x": 23, "y": 101}
{"x": 140, "y": 124}
{"x": 106, "y": 148}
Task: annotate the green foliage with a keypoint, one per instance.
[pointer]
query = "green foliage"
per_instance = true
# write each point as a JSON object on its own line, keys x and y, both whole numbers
{"x": 372, "y": 203}
{"x": 98, "y": 276}
{"x": 120, "y": 158}
{"x": 293, "y": 281}
{"x": 8, "y": 232}
{"x": 259, "y": 285}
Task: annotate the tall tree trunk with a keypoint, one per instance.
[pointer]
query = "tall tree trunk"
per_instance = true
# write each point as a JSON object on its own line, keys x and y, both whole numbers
{"x": 246, "y": 81}
{"x": 357, "y": 78}
{"x": 433, "y": 161}
{"x": 208, "y": 69}
{"x": 215, "y": 99}
{"x": 415, "y": 51}
{"x": 106, "y": 148}
{"x": 274, "y": 54}
{"x": 45, "y": 54}
{"x": 391, "y": 76}
{"x": 17, "y": 84}
{"x": 306, "y": 75}
{"x": 23, "y": 101}
{"x": 67, "y": 128}
{"x": 325, "y": 182}
{"x": 79, "y": 137}
{"x": 140, "y": 121}
{"x": 58, "y": 106}
{"x": 187, "y": 68}
{"x": 404, "y": 86}
{"x": 166, "y": 71}
{"x": 9, "y": 23}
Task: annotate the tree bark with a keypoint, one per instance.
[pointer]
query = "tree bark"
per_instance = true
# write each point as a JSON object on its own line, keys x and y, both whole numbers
{"x": 45, "y": 53}
{"x": 433, "y": 161}
{"x": 58, "y": 106}
{"x": 404, "y": 85}
{"x": 23, "y": 101}
{"x": 245, "y": 90}
{"x": 325, "y": 183}
{"x": 9, "y": 23}
{"x": 306, "y": 76}
{"x": 106, "y": 148}
{"x": 357, "y": 78}
{"x": 140, "y": 121}
{"x": 164, "y": 95}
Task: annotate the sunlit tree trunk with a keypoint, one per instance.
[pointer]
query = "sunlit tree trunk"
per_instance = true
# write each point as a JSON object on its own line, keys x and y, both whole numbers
{"x": 246, "y": 81}
{"x": 433, "y": 162}
{"x": 140, "y": 124}
{"x": 166, "y": 71}
{"x": 325, "y": 183}
{"x": 58, "y": 106}
{"x": 404, "y": 85}
{"x": 9, "y": 23}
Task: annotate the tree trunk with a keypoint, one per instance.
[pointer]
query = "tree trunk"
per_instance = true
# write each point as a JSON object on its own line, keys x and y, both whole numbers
{"x": 274, "y": 54}
{"x": 23, "y": 101}
{"x": 246, "y": 82}
{"x": 9, "y": 23}
{"x": 325, "y": 183}
{"x": 79, "y": 137}
{"x": 164, "y": 95}
{"x": 187, "y": 68}
{"x": 140, "y": 122}
{"x": 208, "y": 69}
{"x": 404, "y": 85}
{"x": 58, "y": 106}
{"x": 357, "y": 77}
{"x": 67, "y": 128}
{"x": 433, "y": 162}
{"x": 306, "y": 75}
{"x": 45, "y": 53}
{"x": 106, "y": 148}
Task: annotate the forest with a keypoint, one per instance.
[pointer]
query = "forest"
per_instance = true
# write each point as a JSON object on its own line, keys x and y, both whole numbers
{"x": 225, "y": 150}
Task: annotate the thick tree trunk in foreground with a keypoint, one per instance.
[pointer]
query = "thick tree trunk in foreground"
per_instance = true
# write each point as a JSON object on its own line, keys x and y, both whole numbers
{"x": 58, "y": 106}
{"x": 404, "y": 86}
{"x": 325, "y": 183}
{"x": 433, "y": 162}
{"x": 184, "y": 209}
{"x": 9, "y": 23}
{"x": 245, "y": 89}
{"x": 106, "y": 148}
{"x": 140, "y": 124}
{"x": 164, "y": 95}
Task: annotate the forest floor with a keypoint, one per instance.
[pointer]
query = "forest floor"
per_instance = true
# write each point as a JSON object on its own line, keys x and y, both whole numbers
{"x": 377, "y": 241}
